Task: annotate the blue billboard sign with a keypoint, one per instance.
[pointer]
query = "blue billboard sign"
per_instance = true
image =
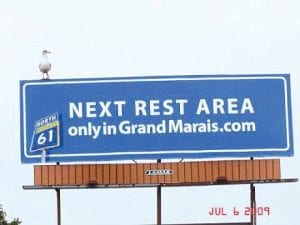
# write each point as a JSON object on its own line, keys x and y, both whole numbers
{"x": 159, "y": 117}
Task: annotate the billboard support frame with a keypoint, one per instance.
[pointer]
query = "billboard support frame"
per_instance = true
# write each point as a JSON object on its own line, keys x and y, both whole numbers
{"x": 252, "y": 191}
{"x": 219, "y": 181}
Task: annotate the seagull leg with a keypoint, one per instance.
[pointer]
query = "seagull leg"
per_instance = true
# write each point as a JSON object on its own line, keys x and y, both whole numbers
{"x": 48, "y": 76}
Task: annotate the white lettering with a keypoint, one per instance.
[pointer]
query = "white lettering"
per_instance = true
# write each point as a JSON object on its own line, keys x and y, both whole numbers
{"x": 73, "y": 109}
{"x": 154, "y": 108}
{"x": 202, "y": 106}
{"x": 125, "y": 127}
{"x": 247, "y": 106}
{"x": 119, "y": 105}
{"x": 167, "y": 104}
{"x": 140, "y": 108}
{"x": 232, "y": 106}
{"x": 105, "y": 109}
{"x": 91, "y": 109}
{"x": 157, "y": 107}
{"x": 218, "y": 106}
{"x": 181, "y": 103}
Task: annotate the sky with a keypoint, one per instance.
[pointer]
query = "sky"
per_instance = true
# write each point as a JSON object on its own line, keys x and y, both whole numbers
{"x": 140, "y": 38}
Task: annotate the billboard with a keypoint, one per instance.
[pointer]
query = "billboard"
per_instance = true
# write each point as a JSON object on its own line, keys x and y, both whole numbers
{"x": 160, "y": 117}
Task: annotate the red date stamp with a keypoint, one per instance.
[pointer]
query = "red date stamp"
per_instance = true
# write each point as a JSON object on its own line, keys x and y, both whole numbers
{"x": 235, "y": 211}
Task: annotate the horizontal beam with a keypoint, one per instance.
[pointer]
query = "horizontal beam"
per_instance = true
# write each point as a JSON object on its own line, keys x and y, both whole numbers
{"x": 35, "y": 187}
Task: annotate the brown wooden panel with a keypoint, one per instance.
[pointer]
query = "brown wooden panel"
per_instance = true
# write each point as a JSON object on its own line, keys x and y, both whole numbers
{"x": 276, "y": 169}
{"x": 133, "y": 173}
{"x": 195, "y": 176}
{"x": 256, "y": 173}
{"x": 86, "y": 174}
{"x": 249, "y": 170}
{"x": 120, "y": 174}
{"x": 201, "y": 172}
{"x": 183, "y": 172}
{"x": 215, "y": 170}
{"x": 65, "y": 174}
{"x": 140, "y": 173}
{"x": 100, "y": 174}
{"x": 112, "y": 174}
{"x": 72, "y": 175}
{"x": 37, "y": 175}
{"x": 270, "y": 169}
{"x": 93, "y": 174}
{"x": 243, "y": 174}
{"x": 174, "y": 177}
{"x": 181, "y": 175}
{"x": 154, "y": 179}
{"x": 51, "y": 173}
{"x": 79, "y": 174}
{"x": 58, "y": 175}
{"x": 262, "y": 169}
{"x": 222, "y": 169}
{"x": 160, "y": 179}
{"x": 229, "y": 170}
{"x": 208, "y": 171}
{"x": 235, "y": 170}
{"x": 187, "y": 172}
{"x": 127, "y": 175}
{"x": 147, "y": 178}
{"x": 45, "y": 180}
{"x": 168, "y": 177}
{"x": 106, "y": 174}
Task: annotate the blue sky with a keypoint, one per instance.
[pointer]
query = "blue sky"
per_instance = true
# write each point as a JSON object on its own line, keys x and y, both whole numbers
{"x": 134, "y": 38}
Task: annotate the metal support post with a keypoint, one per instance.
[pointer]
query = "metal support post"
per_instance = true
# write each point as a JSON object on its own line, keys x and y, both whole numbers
{"x": 58, "y": 206}
{"x": 159, "y": 205}
{"x": 253, "y": 204}
{"x": 158, "y": 201}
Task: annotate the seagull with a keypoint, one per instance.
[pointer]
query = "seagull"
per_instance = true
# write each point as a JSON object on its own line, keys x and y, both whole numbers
{"x": 45, "y": 64}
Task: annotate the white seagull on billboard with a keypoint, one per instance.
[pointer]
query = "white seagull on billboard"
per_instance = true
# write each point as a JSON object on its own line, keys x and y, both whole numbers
{"x": 45, "y": 64}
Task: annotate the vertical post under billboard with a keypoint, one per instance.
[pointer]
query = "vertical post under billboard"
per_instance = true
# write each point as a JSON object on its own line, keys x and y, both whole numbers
{"x": 58, "y": 206}
{"x": 158, "y": 192}
{"x": 58, "y": 203}
{"x": 253, "y": 205}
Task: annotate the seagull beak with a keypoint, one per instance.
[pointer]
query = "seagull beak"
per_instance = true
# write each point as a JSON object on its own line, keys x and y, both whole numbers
{"x": 48, "y": 52}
